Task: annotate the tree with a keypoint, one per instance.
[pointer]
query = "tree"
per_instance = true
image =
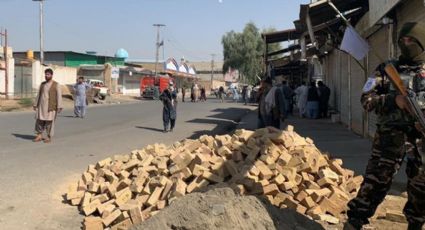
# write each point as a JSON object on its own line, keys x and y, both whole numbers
{"x": 244, "y": 51}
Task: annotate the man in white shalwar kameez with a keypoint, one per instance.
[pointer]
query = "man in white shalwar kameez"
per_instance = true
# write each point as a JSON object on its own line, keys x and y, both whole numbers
{"x": 47, "y": 104}
{"x": 302, "y": 93}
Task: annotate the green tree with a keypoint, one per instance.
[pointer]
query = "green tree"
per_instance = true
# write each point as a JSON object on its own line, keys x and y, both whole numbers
{"x": 244, "y": 51}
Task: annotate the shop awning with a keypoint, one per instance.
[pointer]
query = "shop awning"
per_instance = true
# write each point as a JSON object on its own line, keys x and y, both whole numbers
{"x": 321, "y": 12}
{"x": 281, "y": 36}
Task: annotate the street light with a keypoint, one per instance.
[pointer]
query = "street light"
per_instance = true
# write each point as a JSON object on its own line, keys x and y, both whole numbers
{"x": 41, "y": 31}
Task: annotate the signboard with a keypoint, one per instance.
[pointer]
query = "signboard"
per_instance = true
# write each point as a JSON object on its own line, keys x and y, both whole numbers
{"x": 115, "y": 73}
{"x": 379, "y": 8}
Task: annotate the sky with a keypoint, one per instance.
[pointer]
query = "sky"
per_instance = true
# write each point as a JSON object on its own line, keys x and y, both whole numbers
{"x": 193, "y": 30}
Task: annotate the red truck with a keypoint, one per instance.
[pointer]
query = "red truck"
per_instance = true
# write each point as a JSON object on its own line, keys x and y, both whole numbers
{"x": 149, "y": 83}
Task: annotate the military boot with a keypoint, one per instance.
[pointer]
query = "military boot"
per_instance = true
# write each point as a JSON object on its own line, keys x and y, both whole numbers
{"x": 414, "y": 226}
{"x": 353, "y": 224}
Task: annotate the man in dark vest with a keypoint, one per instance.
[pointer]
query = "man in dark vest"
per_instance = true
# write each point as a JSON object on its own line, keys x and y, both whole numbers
{"x": 47, "y": 104}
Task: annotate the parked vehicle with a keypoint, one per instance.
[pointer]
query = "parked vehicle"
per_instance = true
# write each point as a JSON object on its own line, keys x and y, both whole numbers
{"x": 101, "y": 91}
{"x": 148, "y": 85}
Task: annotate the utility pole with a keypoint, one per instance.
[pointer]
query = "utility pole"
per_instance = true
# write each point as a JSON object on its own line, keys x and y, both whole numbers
{"x": 41, "y": 32}
{"x": 6, "y": 63}
{"x": 212, "y": 69}
{"x": 158, "y": 26}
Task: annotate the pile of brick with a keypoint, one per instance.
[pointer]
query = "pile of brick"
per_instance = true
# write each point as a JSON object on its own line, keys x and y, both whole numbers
{"x": 286, "y": 168}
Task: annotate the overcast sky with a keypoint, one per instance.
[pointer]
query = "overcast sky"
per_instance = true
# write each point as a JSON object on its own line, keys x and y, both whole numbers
{"x": 193, "y": 27}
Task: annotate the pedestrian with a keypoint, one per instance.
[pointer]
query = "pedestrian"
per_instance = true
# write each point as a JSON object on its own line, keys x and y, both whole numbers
{"x": 203, "y": 94}
{"x": 396, "y": 136}
{"x": 302, "y": 93}
{"x": 264, "y": 116}
{"x": 276, "y": 105}
{"x": 312, "y": 101}
{"x": 235, "y": 94}
{"x": 192, "y": 93}
{"x": 324, "y": 94}
{"x": 196, "y": 93}
{"x": 221, "y": 93}
{"x": 183, "y": 93}
{"x": 48, "y": 104}
{"x": 80, "y": 98}
{"x": 173, "y": 112}
{"x": 167, "y": 108}
{"x": 248, "y": 93}
{"x": 288, "y": 94}
{"x": 244, "y": 94}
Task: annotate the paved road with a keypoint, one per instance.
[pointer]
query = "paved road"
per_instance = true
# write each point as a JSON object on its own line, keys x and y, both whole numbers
{"x": 34, "y": 176}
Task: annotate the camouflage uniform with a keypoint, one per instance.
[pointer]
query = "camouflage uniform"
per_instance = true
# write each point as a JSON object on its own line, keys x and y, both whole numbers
{"x": 395, "y": 137}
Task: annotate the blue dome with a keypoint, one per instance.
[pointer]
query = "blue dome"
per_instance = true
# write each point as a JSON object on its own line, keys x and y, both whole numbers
{"x": 121, "y": 53}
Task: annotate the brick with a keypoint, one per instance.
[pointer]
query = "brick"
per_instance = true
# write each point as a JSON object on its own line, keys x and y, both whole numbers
{"x": 86, "y": 199}
{"x": 198, "y": 170}
{"x": 106, "y": 206}
{"x": 103, "y": 163}
{"x": 271, "y": 189}
{"x": 300, "y": 209}
{"x": 93, "y": 223}
{"x": 136, "y": 215}
{"x": 153, "y": 199}
{"x": 328, "y": 173}
{"x": 168, "y": 185}
{"x": 325, "y": 181}
{"x": 142, "y": 198}
{"x": 101, "y": 197}
{"x": 161, "y": 204}
{"x": 212, "y": 177}
{"x": 317, "y": 194}
{"x": 308, "y": 202}
{"x": 395, "y": 216}
{"x": 328, "y": 218}
{"x": 290, "y": 203}
{"x": 301, "y": 195}
{"x": 123, "y": 196}
{"x": 111, "y": 217}
{"x": 315, "y": 211}
{"x": 331, "y": 207}
{"x": 224, "y": 151}
{"x": 74, "y": 195}
{"x": 265, "y": 172}
{"x": 91, "y": 207}
{"x": 287, "y": 185}
{"x": 123, "y": 225}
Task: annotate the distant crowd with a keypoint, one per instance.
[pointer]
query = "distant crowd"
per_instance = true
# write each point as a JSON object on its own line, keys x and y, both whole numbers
{"x": 276, "y": 102}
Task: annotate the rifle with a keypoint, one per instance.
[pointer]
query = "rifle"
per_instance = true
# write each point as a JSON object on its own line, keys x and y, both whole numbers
{"x": 415, "y": 109}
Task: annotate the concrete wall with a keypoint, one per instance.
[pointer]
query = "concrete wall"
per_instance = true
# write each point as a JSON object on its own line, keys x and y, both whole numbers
{"x": 64, "y": 75}
{"x": 11, "y": 72}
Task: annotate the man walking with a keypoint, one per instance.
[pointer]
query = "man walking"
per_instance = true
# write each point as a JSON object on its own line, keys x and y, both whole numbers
{"x": 302, "y": 93}
{"x": 324, "y": 94}
{"x": 47, "y": 104}
{"x": 396, "y": 136}
{"x": 288, "y": 93}
{"x": 80, "y": 98}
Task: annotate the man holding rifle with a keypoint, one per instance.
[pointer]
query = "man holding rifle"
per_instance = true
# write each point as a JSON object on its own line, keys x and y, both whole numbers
{"x": 397, "y": 133}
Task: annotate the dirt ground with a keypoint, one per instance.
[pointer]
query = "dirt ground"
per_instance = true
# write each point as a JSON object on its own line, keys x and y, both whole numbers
{"x": 221, "y": 208}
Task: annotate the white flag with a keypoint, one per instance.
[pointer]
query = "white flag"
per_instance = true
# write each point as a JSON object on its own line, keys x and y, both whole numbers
{"x": 354, "y": 44}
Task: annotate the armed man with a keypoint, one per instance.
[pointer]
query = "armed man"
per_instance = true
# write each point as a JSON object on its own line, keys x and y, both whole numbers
{"x": 398, "y": 133}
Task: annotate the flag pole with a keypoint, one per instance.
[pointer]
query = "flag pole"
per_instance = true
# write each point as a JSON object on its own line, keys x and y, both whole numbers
{"x": 349, "y": 24}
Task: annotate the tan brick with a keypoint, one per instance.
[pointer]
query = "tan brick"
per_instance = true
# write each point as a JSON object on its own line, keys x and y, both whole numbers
{"x": 136, "y": 215}
{"x": 111, "y": 217}
{"x": 123, "y": 225}
{"x": 308, "y": 202}
{"x": 153, "y": 199}
{"x": 74, "y": 195}
{"x": 271, "y": 189}
{"x": 91, "y": 207}
{"x": 212, "y": 177}
{"x": 101, "y": 197}
{"x": 93, "y": 223}
{"x": 123, "y": 196}
{"x": 331, "y": 207}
